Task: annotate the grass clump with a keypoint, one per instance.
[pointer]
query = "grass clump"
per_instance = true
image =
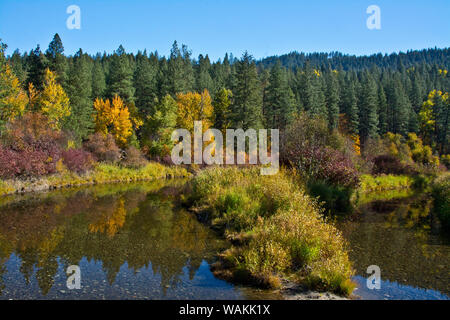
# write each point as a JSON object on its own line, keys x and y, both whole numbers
{"x": 370, "y": 183}
{"x": 281, "y": 232}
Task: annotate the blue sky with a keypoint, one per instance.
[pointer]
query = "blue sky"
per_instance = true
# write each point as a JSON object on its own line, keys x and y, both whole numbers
{"x": 216, "y": 26}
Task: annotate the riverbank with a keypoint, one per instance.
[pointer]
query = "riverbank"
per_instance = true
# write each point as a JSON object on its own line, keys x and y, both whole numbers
{"x": 276, "y": 230}
{"x": 101, "y": 174}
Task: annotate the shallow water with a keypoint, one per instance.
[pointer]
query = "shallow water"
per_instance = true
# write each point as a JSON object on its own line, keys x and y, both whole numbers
{"x": 403, "y": 238}
{"x": 130, "y": 242}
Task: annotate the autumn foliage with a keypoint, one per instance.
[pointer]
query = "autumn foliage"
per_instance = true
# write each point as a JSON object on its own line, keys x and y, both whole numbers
{"x": 192, "y": 107}
{"x": 13, "y": 99}
{"x": 30, "y": 147}
{"x": 113, "y": 117}
{"x": 103, "y": 147}
{"x": 53, "y": 101}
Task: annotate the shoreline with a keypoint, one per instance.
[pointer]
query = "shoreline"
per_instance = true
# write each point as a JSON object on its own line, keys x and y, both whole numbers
{"x": 101, "y": 174}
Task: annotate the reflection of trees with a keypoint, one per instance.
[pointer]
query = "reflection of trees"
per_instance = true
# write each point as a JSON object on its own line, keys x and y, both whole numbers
{"x": 396, "y": 235}
{"x": 110, "y": 221}
{"x": 121, "y": 226}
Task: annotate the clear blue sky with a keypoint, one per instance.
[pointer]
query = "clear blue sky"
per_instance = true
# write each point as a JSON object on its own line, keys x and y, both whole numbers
{"x": 217, "y": 26}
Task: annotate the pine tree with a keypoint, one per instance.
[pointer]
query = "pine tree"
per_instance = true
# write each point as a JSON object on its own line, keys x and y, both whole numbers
{"x": 179, "y": 70}
{"x": 79, "y": 90}
{"x": 120, "y": 80}
{"x": 221, "y": 74}
{"x": 36, "y": 63}
{"x": 246, "y": 110}
{"x": 57, "y": 62}
{"x": 399, "y": 106}
{"x": 350, "y": 107}
{"x": 203, "y": 77}
{"x": 163, "y": 79}
{"x": 279, "y": 100}
{"x": 332, "y": 99}
{"x": 382, "y": 111}
{"x": 145, "y": 83}
{"x": 18, "y": 67}
{"x": 368, "y": 119}
{"x": 98, "y": 81}
{"x": 310, "y": 90}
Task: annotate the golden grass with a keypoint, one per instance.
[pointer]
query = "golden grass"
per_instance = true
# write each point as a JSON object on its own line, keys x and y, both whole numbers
{"x": 281, "y": 232}
{"x": 102, "y": 173}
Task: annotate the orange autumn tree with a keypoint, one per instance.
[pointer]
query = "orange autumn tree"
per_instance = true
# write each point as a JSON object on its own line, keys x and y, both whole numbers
{"x": 114, "y": 117}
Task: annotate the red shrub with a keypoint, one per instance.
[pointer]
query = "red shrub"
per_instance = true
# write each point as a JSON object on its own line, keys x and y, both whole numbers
{"x": 29, "y": 148}
{"x": 387, "y": 164}
{"x": 167, "y": 160}
{"x": 25, "y": 163}
{"x": 134, "y": 158}
{"x": 77, "y": 160}
{"x": 324, "y": 164}
{"x": 103, "y": 147}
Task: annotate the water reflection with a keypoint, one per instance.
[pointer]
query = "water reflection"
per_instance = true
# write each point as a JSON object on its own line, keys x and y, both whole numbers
{"x": 402, "y": 237}
{"x": 130, "y": 241}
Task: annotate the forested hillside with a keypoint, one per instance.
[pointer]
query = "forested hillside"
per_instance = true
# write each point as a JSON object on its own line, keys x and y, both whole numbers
{"x": 366, "y": 96}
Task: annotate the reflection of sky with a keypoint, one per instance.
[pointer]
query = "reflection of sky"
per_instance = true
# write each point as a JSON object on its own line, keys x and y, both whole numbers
{"x": 128, "y": 284}
{"x": 395, "y": 291}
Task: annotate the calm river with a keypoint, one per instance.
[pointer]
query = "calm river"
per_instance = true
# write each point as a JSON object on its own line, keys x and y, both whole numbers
{"x": 131, "y": 241}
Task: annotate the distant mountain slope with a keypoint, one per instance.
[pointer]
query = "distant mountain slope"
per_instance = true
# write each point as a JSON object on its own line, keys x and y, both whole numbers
{"x": 337, "y": 60}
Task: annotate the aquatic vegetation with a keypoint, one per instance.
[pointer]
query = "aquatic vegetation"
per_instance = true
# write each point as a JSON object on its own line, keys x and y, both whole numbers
{"x": 277, "y": 230}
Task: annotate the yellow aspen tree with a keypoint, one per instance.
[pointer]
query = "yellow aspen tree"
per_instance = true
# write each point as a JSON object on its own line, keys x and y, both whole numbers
{"x": 113, "y": 117}
{"x": 122, "y": 127}
{"x": 53, "y": 101}
{"x": 192, "y": 107}
{"x": 13, "y": 99}
{"x": 102, "y": 115}
{"x": 33, "y": 96}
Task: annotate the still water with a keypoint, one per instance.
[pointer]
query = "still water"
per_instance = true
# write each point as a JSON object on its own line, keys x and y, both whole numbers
{"x": 133, "y": 242}
{"x": 130, "y": 242}
{"x": 402, "y": 237}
